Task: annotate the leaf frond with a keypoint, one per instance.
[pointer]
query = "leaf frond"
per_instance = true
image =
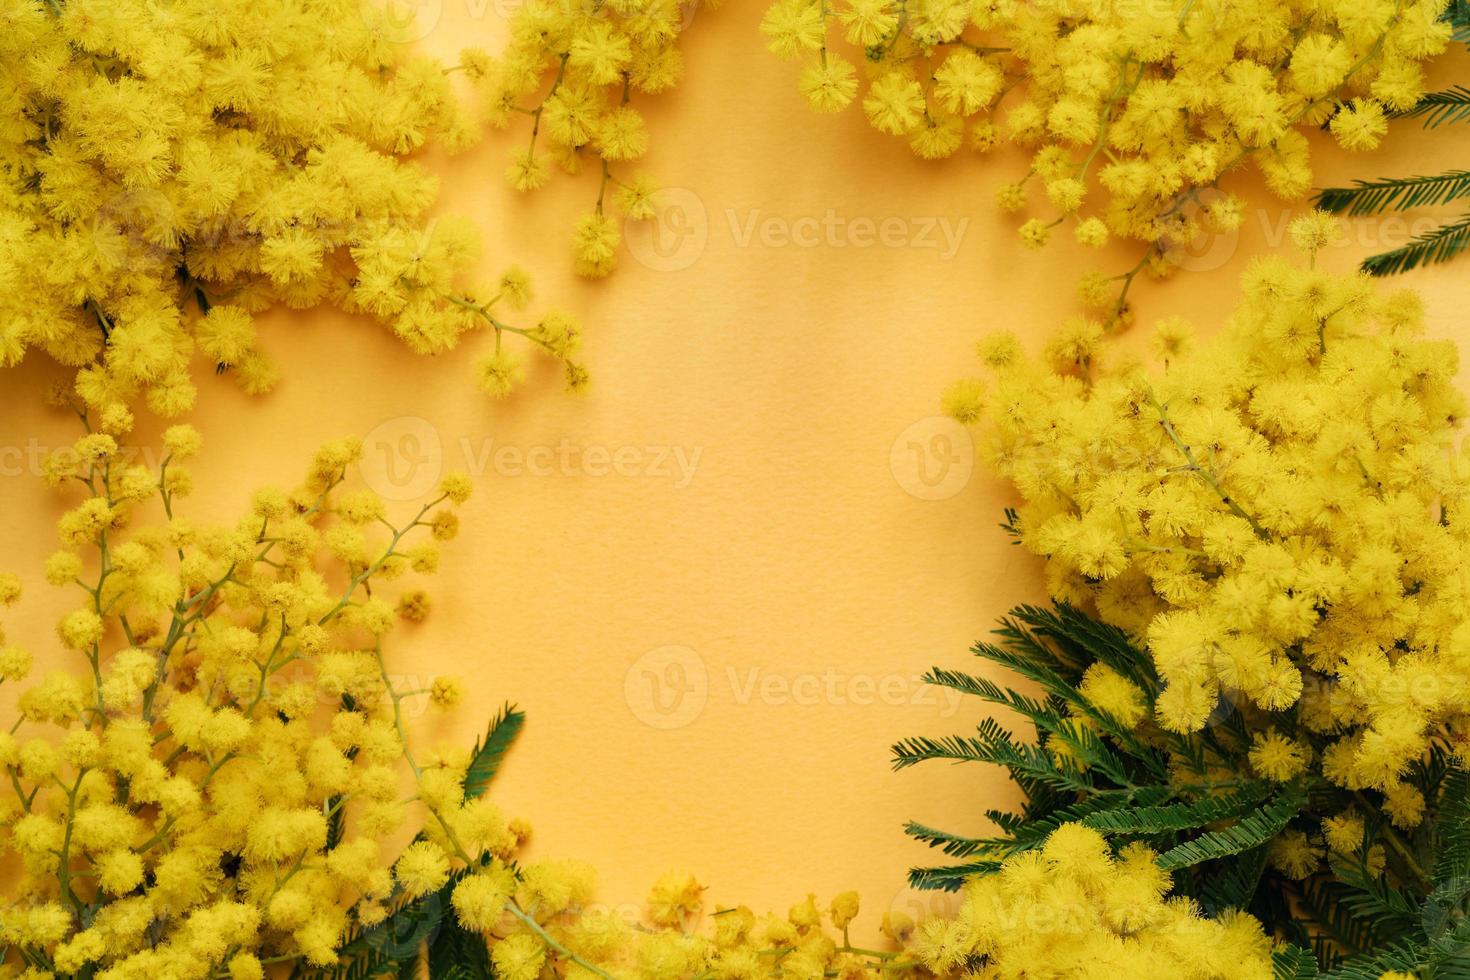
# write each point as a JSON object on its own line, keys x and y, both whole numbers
{"x": 1175, "y": 817}
{"x": 1451, "y": 105}
{"x": 1396, "y": 193}
{"x": 1439, "y": 245}
{"x": 1250, "y": 831}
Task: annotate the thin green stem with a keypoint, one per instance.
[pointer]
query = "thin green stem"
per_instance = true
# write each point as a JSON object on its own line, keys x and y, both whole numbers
{"x": 1203, "y": 472}
{"x": 545, "y": 937}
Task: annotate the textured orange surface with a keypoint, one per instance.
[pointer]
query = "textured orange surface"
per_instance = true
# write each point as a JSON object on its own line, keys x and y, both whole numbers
{"x": 713, "y": 580}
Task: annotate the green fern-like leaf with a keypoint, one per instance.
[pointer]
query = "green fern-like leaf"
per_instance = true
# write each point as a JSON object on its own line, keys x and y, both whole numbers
{"x": 1056, "y": 666}
{"x": 1080, "y": 742}
{"x": 1396, "y": 193}
{"x": 1333, "y": 921}
{"x": 950, "y": 877}
{"x": 1371, "y": 896}
{"x": 1037, "y": 828}
{"x": 989, "y": 691}
{"x": 1086, "y": 640}
{"x": 336, "y": 822}
{"x": 1449, "y": 105}
{"x": 1235, "y": 884}
{"x": 1012, "y": 525}
{"x": 458, "y": 954}
{"x": 1250, "y": 831}
{"x": 490, "y": 751}
{"x": 1148, "y": 821}
{"x": 1404, "y": 957}
{"x": 995, "y": 745}
{"x": 1293, "y": 963}
{"x": 1083, "y": 762}
{"x": 386, "y": 949}
{"x": 1452, "y": 862}
{"x": 1439, "y": 245}
{"x": 1022, "y": 833}
{"x": 952, "y": 748}
{"x": 1457, "y": 14}
{"x": 951, "y": 844}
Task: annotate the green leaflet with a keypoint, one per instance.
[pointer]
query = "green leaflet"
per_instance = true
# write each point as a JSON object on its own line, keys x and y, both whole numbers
{"x": 1147, "y": 821}
{"x": 490, "y": 751}
{"x": 1252, "y": 830}
{"x": 1437, "y": 245}
{"x": 1449, "y": 105}
{"x": 1396, "y": 194}
{"x": 1374, "y": 898}
{"x": 1192, "y": 799}
{"x": 1453, "y": 829}
{"x": 949, "y": 877}
{"x": 1021, "y": 833}
{"x": 1294, "y": 963}
{"x": 1236, "y": 882}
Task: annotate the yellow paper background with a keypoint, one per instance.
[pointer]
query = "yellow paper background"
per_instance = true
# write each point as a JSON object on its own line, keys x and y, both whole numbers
{"x": 802, "y": 571}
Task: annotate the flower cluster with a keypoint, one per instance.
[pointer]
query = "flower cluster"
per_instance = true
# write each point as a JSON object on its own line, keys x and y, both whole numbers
{"x": 209, "y": 791}
{"x": 1130, "y": 111}
{"x": 547, "y": 921}
{"x": 1072, "y": 909}
{"x": 169, "y": 170}
{"x": 209, "y": 794}
{"x": 597, "y": 56}
{"x": 1279, "y": 513}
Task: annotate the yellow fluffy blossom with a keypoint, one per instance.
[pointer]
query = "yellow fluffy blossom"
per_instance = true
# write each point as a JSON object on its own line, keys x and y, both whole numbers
{"x": 1279, "y": 515}
{"x": 1131, "y": 114}
{"x": 209, "y": 791}
{"x": 1113, "y": 694}
{"x": 1073, "y": 909}
{"x": 575, "y": 71}
{"x": 1278, "y": 758}
{"x": 167, "y": 171}
{"x": 670, "y": 942}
